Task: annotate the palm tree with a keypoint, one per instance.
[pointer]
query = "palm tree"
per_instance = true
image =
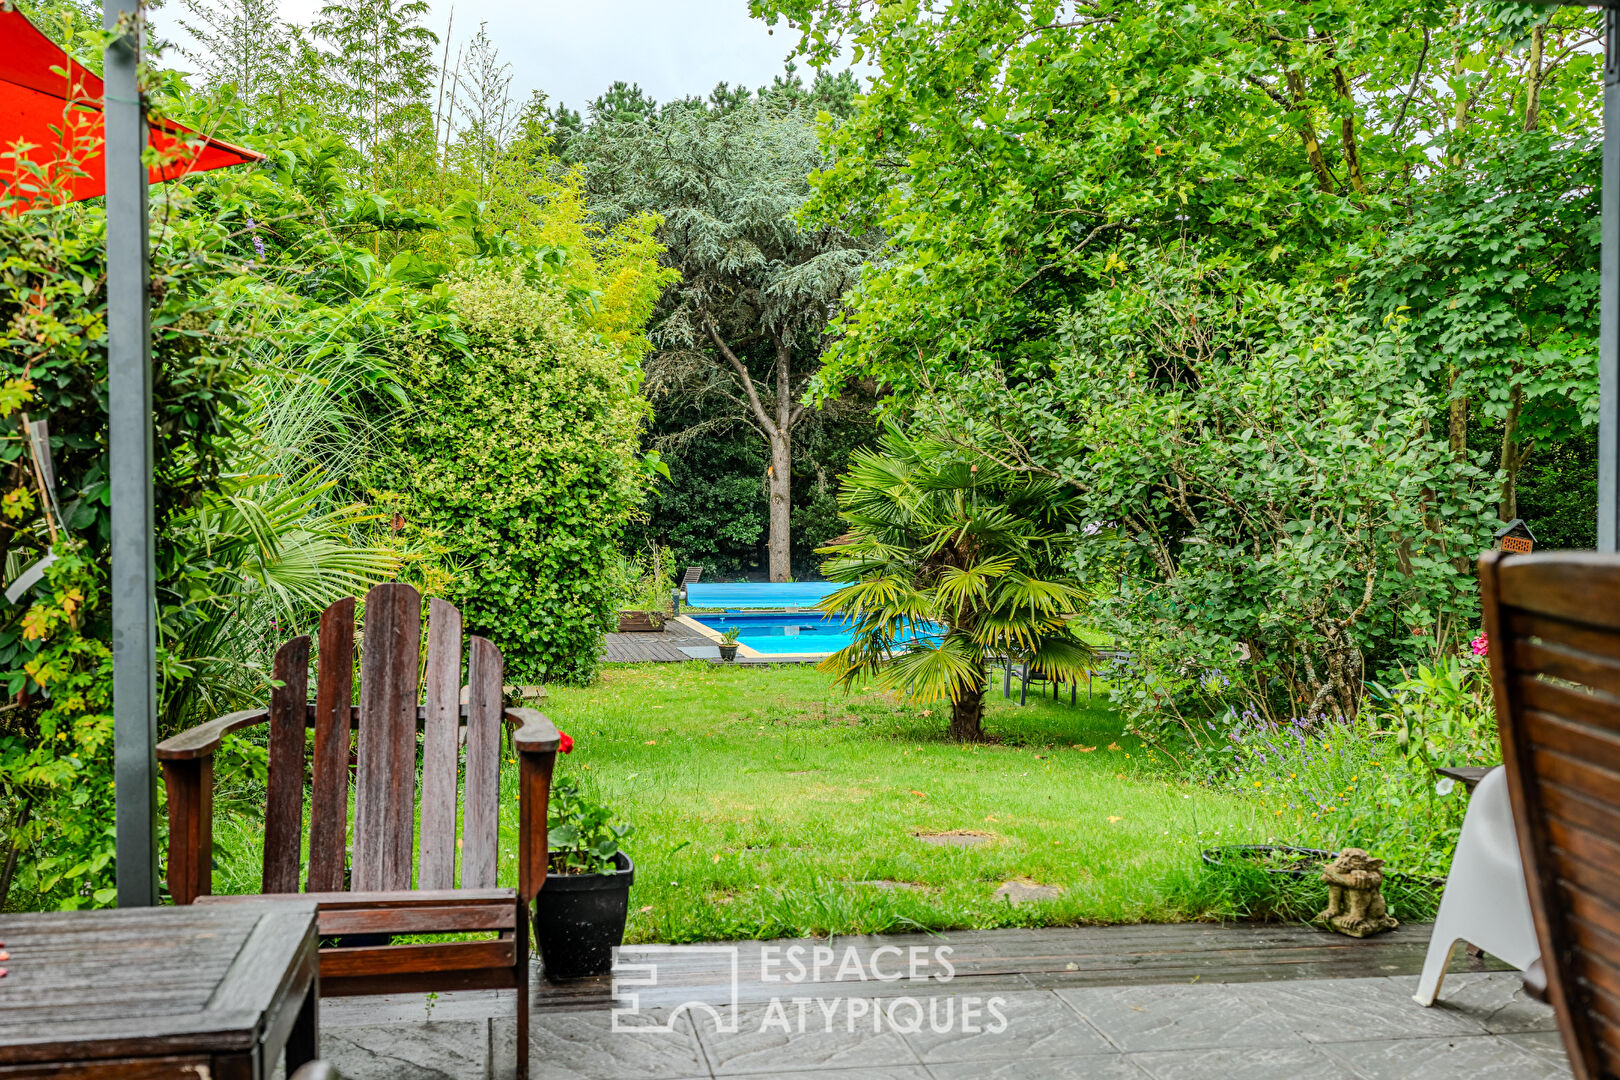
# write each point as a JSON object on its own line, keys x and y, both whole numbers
{"x": 951, "y": 560}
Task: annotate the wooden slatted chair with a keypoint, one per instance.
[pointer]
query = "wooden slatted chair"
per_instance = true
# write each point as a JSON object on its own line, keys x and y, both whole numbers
{"x": 379, "y": 898}
{"x": 1553, "y": 622}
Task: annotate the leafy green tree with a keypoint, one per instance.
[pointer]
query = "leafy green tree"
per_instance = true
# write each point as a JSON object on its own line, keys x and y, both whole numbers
{"x": 1021, "y": 153}
{"x": 1496, "y": 270}
{"x": 744, "y": 326}
{"x": 968, "y": 556}
{"x": 1292, "y": 518}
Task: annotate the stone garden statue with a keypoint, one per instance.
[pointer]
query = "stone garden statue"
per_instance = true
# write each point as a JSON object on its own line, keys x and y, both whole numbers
{"x": 1355, "y": 882}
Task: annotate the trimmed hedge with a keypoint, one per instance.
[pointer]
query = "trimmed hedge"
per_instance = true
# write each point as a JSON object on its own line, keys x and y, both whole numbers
{"x": 520, "y": 458}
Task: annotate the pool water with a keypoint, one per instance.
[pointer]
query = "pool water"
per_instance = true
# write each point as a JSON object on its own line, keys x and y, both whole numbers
{"x": 786, "y": 631}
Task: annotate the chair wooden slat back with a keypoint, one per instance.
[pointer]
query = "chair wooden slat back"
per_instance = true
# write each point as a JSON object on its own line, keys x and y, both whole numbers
{"x": 385, "y": 780}
{"x": 1553, "y": 622}
{"x": 386, "y": 754}
{"x": 372, "y": 894}
{"x": 329, "y": 783}
{"x": 284, "y": 802}
{"x": 479, "y": 828}
{"x": 441, "y": 743}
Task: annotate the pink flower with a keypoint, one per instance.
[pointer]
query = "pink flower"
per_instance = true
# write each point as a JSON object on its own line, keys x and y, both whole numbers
{"x": 1481, "y": 645}
{"x": 567, "y": 743}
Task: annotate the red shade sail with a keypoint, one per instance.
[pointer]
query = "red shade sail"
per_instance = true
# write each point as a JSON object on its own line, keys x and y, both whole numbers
{"x": 52, "y": 107}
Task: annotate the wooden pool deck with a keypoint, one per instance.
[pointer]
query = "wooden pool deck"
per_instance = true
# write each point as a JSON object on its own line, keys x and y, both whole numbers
{"x": 679, "y": 643}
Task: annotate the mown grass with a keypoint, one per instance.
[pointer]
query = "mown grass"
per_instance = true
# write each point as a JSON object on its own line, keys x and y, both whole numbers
{"x": 767, "y": 804}
{"x": 762, "y": 798}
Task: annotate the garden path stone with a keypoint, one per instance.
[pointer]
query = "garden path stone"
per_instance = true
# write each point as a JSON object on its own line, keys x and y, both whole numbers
{"x": 891, "y": 886}
{"x": 881, "y": 1072}
{"x": 1142, "y": 1018}
{"x": 758, "y": 1046}
{"x": 1495, "y": 999}
{"x": 1018, "y": 893}
{"x": 1033, "y": 1023}
{"x": 438, "y": 1050}
{"x": 955, "y": 838}
{"x": 1250, "y": 1063}
{"x": 584, "y": 1046}
{"x": 1093, "y": 1067}
{"x": 1348, "y": 1010}
{"x": 1467, "y": 1057}
{"x": 1546, "y": 1045}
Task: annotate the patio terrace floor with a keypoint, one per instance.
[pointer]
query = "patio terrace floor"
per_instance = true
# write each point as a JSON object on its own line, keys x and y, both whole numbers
{"x": 1189, "y": 1002}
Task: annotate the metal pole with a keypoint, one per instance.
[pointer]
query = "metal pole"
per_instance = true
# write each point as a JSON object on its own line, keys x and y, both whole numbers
{"x": 129, "y": 446}
{"x": 1609, "y": 353}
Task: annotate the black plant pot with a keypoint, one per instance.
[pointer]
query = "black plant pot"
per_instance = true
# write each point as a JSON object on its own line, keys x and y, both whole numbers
{"x": 579, "y": 918}
{"x": 728, "y": 653}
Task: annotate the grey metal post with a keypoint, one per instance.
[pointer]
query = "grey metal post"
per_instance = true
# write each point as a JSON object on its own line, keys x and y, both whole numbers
{"x": 129, "y": 445}
{"x": 1609, "y": 354}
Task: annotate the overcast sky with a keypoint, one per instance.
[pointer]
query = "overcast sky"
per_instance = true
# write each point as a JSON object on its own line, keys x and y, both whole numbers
{"x": 574, "y": 49}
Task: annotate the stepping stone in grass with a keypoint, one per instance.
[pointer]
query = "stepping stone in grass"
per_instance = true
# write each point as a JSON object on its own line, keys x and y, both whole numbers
{"x": 954, "y": 838}
{"x": 891, "y": 886}
{"x": 1023, "y": 891}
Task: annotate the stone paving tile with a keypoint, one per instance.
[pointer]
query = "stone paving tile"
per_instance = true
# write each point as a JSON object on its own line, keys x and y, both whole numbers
{"x": 1029, "y": 1024}
{"x": 584, "y": 1046}
{"x": 1140, "y": 1018}
{"x": 1496, "y": 999}
{"x": 1548, "y": 1045}
{"x": 846, "y": 1040}
{"x": 1249, "y": 1063}
{"x": 441, "y": 1050}
{"x": 882, "y": 1072}
{"x": 1472, "y": 1057}
{"x": 1089, "y": 1067}
{"x": 1350, "y": 1010}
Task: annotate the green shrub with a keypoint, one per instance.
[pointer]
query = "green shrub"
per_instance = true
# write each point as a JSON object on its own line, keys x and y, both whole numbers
{"x": 520, "y": 455}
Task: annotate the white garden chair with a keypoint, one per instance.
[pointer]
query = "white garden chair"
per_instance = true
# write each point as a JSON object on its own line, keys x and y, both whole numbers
{"x": 1486, "y": 902}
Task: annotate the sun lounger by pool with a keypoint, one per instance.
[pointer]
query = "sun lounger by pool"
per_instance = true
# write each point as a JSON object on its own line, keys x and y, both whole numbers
{"x": 735, "y": 596}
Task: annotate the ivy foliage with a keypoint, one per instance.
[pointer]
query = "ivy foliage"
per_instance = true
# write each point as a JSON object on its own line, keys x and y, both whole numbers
{"x": 522, "y": 454}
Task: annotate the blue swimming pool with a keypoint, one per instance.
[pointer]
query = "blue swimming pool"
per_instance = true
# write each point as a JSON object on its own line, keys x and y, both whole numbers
{"x": 784, "y": 631}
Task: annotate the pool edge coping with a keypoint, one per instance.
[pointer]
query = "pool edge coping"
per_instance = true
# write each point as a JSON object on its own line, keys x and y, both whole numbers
{"x": 715, "y": 636}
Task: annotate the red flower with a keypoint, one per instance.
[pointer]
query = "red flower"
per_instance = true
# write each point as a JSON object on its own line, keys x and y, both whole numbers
{"x": 567, "y": 743}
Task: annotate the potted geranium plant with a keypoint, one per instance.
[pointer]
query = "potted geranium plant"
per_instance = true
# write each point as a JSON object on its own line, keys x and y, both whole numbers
{"x": 580, "y": 912}
{"x": 728, "y": 645}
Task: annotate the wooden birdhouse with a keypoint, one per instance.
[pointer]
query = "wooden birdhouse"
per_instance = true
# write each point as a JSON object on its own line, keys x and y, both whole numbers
{"x": 1515, "y": 536}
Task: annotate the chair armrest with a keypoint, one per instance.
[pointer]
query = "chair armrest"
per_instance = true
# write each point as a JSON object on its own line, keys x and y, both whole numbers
{"x": 535, "y": 734}
{"x": 203, "y": 740}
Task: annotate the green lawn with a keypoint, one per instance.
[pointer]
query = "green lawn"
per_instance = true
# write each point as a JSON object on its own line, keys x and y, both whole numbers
{"x": 761, "y": 797}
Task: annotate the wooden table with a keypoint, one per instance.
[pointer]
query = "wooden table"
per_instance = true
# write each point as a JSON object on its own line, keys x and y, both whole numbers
{"x": 200, "y": 992}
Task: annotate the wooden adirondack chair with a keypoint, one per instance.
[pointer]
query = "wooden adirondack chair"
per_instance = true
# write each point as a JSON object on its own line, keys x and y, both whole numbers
{"x": 1553, "y": 623}
{"x": 379, "y": 898}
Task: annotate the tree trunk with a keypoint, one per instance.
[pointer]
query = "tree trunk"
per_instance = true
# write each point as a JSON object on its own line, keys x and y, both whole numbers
{"x": 1532, "y": 97}
{"x": 782, "y": 466}
{"x": 1507, "y": 507}
{"x": 1307, "y": 132}
{"x": 781, "y": 483}
{"x": 967, "y": 716}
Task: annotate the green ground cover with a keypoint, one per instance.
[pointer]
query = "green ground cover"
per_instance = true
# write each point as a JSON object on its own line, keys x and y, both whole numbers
{"x": 762, "y": 797}
{"x": 768, "y": 804}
